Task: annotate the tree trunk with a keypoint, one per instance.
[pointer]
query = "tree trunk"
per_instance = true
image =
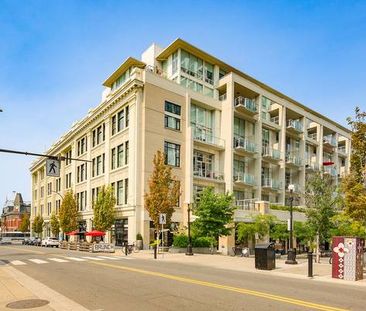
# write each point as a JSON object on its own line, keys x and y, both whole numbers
{"x": 317, "y": 249}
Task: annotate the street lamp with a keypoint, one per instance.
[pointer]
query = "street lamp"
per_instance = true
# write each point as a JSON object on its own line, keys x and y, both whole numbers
{"x": 189, "y": 246}
{"x": 291, "y": 253}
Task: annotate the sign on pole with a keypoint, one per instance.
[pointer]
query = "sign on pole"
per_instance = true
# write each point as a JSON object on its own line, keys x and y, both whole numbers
{"x": 162, "y": 219}
{"x": 52, "y": 168}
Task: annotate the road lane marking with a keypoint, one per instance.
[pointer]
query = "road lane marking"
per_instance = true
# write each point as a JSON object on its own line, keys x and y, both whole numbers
{"x": 240, "y": 290}
{"x": 92, "y": 258}
{"x": 75, "y": 258}
{"x": 17, "y": 263}
{"x": 38, "y": 261}
{"x": 111, "y": 258}
{"x": 58, "y": 259}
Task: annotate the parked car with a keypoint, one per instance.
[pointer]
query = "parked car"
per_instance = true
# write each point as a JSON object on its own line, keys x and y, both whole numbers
{"x": 37, "y": 242}
{"x": 53, "y": 242}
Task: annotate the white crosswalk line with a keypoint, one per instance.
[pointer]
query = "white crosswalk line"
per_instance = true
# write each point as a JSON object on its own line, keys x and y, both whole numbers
{"x": 92, "y": 258}
{"x": 58, "y": 259}
{"x": 17, "y": 263}
{"x": 38, "y": 261}
{"x": 75, "y": 258}
{"x": 111, "y": 258}
{"x": 127, "y": 258}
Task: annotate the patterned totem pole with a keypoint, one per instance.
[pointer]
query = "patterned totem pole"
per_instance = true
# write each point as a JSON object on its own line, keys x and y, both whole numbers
{"x": 348, "y": 258}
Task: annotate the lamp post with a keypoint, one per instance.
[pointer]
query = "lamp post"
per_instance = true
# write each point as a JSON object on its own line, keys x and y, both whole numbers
{"x": 291, "y": 253}
{"x": 189, "y": 246}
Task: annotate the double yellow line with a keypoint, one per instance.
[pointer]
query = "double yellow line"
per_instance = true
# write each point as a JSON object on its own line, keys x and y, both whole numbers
{"x": 244, "y": 291}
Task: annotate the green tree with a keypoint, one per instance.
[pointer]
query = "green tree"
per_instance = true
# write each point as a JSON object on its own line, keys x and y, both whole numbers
{"x": 304, "y": 232}
{"x": 55, "y": 225}
{"x": 321, "y": 200}
{"x": 104, "y": 212}
{"x": 344, "y": 225}
{"x": 260, "y": 226}
{"x": 163, "y": 192}
{"x": 68, "y": 215}
{"x": 354, "y": 185}
{"x": 279, "y": 232}
{"x": 37, "y": 225}
{"x": 24, "y": 225}
{"x": 214, "y": 213}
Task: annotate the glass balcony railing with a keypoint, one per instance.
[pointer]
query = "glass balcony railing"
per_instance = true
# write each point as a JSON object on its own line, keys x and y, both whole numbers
{"x": 293, "y": 159}
{"x": 222, "y": 97}
{"x": 244, "y": 178}
{"x": 342, "y": 149}
{"x": 209, "y": 174}
{"x": 246, "y": 103}
{"x": 332, "y": 171}
{"x": 295, "y": 124}
{"x": 312, "y": 166}
{"x": 267, "y": 117}
{"x": 313, "y": 136}
{"x": 269, "y": 152}
{"x": 245, "y": 144}
{"x": 268, "y": 182}
{"x": 330, "y": 140}
{"x": 206, "y": 136}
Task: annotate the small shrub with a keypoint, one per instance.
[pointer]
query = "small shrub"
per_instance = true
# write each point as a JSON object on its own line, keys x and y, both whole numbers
{"x": 180, "y": 241}
{"x": 203, "y": 242}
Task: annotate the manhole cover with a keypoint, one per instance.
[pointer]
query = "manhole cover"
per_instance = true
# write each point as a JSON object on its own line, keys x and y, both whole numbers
{"x": 27, "y": 304}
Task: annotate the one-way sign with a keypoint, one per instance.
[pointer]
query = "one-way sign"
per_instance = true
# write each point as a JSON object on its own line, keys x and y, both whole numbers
{"x": 53, "y": 168}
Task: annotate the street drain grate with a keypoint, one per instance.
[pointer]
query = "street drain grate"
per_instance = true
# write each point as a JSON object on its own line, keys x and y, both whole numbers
{"x": 27, "y": 304}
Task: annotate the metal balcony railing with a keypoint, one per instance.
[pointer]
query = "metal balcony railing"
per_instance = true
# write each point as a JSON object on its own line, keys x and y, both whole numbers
{"x": 267, "y": 151}
{"x": 246, "y": 205}
{"x": 295, "y": 124}
{"x": 247, "y": 103}
{"x": 332, "y": 171}
{"x": 313, "y": 136}
{"x": 342, "y": 149}
{"x": 206, "y": 173}
{"x": 271, "y": 183}
{"x": 293, "y": 159}
{"x": 330, "y": 140}
{"x": 222, "y": 97}
{"x": 244, "y": 178}
{"x": 245, "y": 144}
{"x": 312, "y": 166}
{"x": 206, "y": 136}
{"x": 267, "y": 117}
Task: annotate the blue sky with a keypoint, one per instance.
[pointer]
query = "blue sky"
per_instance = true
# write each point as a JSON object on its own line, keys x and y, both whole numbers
{"x": 54, "y": 56}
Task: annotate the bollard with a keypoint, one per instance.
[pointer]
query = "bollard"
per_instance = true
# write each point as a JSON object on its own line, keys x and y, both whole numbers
{"x": 310, "y": 264}
{"x": 155, "y": 251}
{"x": 126, "y": 249}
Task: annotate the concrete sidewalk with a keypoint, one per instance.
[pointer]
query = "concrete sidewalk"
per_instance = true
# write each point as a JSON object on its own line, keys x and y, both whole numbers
{"x": 322, "y": 271}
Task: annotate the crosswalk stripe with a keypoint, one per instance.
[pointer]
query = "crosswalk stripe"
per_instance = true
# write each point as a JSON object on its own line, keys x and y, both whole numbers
{"x": 38, "y": 261}
{"x": 92, "y": 258}
{"x": 75, "y": 258}
{"x": 17, "y": 263}
{"x": 111, "y": 258}
{"x": 58, "y": 259}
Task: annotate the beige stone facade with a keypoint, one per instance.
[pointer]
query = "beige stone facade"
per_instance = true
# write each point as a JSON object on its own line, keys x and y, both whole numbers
{"x": 218, "y": 126}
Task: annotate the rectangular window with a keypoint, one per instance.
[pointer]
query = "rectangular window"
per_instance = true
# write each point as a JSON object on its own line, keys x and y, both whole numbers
{"x": 126, "y": 152}
{"x": 120, "y": 155}
{"x": 121, "y": 120}
{"x": 42, "y": 192}
{"x": 172, "y": 116}
{"x": 68, "y": 157}
{"x": 126, "y": 190}
{"x": 113, "y": 159}
{"x": 120, "y": 192}
{"x": 98, "y": 135}
{"x": 127, "y": 116}
{"x": 172, "y": 154}
{"x": 114, "y": 125}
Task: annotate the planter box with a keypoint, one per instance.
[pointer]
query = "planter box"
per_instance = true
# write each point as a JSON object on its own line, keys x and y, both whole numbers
{"x": 196, "y": 250}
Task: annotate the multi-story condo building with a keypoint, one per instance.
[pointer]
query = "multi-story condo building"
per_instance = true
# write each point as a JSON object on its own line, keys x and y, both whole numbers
{"x": 218, "y": 127}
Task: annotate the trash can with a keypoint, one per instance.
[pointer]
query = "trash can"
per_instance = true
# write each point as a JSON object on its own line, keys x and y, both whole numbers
{"x": 265, "y": 256}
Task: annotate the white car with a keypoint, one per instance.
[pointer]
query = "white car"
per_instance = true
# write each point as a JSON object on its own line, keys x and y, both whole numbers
{"x": 50, "y": 242}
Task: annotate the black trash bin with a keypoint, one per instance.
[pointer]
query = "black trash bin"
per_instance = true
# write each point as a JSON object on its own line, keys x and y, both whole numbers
{"x": 265, "y": 258}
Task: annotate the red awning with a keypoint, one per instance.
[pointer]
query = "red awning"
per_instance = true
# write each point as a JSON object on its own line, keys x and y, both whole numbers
{"x": 328, "y": 163}
{"x": 75, "y": 232}
{"x": 95, "y": 233}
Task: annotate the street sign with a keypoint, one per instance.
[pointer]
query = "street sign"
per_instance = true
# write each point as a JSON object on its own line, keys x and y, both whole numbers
{"x": 53, "y": 168}
{"x": 162, "y": 219}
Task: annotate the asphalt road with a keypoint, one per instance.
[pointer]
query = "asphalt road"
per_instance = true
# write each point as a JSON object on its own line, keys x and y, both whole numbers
{"x": 107, "y": 282}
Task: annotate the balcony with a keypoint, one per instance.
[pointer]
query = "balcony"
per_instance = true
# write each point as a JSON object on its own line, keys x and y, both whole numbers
{"x": 272, "y": 184}
{"x": 271, "y": 121}
{"x": 244, "y": 178}
{"x": 293, "y": 159}
{"x": 222, "y": 97}
{"x": 294, "y": 126}
{"x": 243, "y": 144}
{"x": 329, "y": 141}
{"x": 271, "y": 153}
{"x": 312, "y": 166}
{"x": 313, "y": 136}
{"x": 342, "y": 172}
{"x": 204, "y": 136}
{"x": 247, "y": 205}
{"x": 342, "y": 150}
{"x": 331, "y": 171}
{"x": 208, "y": 174}
{"x": 245, "y": 105}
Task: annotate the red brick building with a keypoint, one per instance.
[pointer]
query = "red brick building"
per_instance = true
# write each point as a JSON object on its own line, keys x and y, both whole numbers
{"x": 13, "y": 212}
